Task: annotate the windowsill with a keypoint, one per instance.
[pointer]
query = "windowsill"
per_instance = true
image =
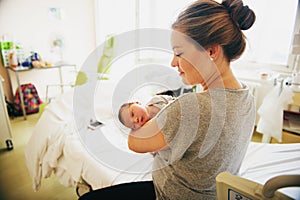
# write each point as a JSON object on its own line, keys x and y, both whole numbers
{"x": 248, "y": 71}
{"x": 260, "y": 72}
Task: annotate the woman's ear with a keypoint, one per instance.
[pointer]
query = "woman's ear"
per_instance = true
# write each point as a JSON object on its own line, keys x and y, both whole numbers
{"x": 213, "y": 51}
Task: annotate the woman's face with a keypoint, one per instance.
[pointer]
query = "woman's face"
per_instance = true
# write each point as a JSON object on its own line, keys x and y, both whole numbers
{"x": 190, "y": 60}
{"x": 135, "y": 115}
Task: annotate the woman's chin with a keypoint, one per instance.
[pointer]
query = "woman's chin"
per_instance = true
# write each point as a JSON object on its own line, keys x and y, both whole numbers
{"x": 186, "y": 82}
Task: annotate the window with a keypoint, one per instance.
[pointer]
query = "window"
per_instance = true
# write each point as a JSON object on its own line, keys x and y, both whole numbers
{"x": 269, "y": 40}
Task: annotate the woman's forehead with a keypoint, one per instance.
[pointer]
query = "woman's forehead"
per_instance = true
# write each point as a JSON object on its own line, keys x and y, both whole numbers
{"x": 177, "y": 40}
{"x": 180, "y": 41}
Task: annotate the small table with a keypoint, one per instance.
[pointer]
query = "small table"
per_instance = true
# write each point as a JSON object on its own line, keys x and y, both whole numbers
{"x": 18, "y": 69}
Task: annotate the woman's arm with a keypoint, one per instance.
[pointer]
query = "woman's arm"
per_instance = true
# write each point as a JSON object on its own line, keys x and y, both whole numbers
{"x": 148, "y": 138}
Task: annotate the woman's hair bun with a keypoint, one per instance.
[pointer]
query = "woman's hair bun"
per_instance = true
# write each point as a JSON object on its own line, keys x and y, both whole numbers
{"x": 242, "y": 15}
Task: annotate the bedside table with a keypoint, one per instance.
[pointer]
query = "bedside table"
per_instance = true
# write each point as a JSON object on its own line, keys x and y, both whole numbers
{"x": 291, "y": 121}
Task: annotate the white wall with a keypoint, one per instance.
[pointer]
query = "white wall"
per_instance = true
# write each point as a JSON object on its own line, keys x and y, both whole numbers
{"x": 29, "y": 23}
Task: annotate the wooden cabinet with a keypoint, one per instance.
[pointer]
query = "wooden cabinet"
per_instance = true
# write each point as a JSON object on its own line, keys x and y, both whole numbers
{"x": 288, "y": 137}
{"x": 291, "y": 122}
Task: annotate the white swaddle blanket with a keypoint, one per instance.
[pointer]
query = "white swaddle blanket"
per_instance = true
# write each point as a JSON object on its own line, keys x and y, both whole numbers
{"x": 271, "y": 112}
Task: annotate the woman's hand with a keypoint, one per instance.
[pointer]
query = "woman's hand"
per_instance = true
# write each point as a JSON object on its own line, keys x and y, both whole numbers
{"x": 148, "y": 138}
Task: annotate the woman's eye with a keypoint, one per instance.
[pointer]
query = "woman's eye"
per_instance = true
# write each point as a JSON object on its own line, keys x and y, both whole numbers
{"x": 178, "y": 54}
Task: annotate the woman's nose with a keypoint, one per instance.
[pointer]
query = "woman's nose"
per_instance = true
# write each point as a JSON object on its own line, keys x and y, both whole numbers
{"x": 174, "y": 62}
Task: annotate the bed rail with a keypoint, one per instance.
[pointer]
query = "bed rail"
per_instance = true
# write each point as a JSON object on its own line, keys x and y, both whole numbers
{"x": 234, "y": 187}
{"x": 280, "y": 182}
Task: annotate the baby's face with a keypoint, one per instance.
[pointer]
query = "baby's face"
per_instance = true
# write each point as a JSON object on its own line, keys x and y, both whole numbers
{"x": 135, "y": 116}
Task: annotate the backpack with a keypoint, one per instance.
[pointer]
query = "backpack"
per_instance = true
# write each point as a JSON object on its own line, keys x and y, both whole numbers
{"x": 11, "y": 109}
{"x": 31, "y": 99}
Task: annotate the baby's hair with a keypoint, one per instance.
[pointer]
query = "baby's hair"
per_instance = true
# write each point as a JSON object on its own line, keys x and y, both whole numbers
{"x": 122, "y": 107}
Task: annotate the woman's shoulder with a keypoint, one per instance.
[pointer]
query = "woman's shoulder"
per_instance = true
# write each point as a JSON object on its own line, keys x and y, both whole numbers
{"x": 200, "y": 96}
{"x": 189, "y": 100}
{"x": 215, "y": 95}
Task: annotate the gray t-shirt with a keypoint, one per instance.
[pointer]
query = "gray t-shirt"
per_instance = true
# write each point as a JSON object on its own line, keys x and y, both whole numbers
{"x": 207, "y": 133}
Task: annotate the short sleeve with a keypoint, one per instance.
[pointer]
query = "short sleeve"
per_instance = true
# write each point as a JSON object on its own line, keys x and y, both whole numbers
{"x": 179, "y": 123}
{"x": 169, "y": 119}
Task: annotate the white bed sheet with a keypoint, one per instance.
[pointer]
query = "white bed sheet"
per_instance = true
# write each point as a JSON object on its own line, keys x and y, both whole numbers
{"x": 55, "y": 148}
{"x": 264, "y": 161}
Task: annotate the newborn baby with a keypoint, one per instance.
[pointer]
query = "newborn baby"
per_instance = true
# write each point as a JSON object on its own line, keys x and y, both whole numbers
{"x": 134, "y": 115}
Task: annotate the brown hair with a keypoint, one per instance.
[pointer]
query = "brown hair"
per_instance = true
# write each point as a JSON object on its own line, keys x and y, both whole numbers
{"x": 209, "y": 22}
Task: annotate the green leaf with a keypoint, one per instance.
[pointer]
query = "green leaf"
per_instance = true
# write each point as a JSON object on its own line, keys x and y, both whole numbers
{"x": 81, "y": 78}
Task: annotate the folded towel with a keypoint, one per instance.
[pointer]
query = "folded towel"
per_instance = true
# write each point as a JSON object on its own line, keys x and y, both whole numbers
{"x": 271, "y": 111}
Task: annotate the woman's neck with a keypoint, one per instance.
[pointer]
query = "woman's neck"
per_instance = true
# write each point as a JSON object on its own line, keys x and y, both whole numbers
{"x": 230, "y": 81}
{"x": 223, "y": 78}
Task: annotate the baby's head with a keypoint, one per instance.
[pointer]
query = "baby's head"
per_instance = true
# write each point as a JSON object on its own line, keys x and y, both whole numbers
{"x": 133, "y": 115}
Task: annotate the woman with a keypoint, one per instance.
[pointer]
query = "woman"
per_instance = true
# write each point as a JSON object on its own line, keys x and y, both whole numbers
{"x": 202, "y": 134}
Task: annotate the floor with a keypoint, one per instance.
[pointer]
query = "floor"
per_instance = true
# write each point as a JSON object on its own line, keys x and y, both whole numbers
{"x": 15, "y": 180}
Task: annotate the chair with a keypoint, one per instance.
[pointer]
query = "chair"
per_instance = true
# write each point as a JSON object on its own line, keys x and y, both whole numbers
{"x": 234, "y": 187}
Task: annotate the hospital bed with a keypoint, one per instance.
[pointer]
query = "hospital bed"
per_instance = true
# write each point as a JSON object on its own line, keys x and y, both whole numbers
{"x": 234, "y": 187}
{"x": 99, "y": 158}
